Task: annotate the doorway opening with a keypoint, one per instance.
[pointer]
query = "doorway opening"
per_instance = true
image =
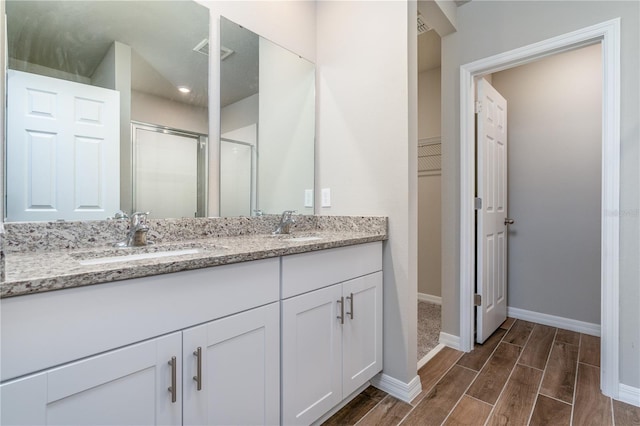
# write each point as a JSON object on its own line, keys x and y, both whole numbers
{"x": 607, "y": 34}
{"x": 429, "y": 193}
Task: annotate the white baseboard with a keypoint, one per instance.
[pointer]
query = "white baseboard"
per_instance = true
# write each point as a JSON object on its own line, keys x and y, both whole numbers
{"x": 629, "y": 394}
{"x": 450, "y": 340}
{"x": 430, "y": 298}
{"x": 555, "y": 321}
{"x": 394, "y": 387}
{"x": 433, "y": 352}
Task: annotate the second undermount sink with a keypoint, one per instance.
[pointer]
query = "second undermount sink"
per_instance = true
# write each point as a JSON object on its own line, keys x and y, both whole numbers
{"x": 128, "y": 254}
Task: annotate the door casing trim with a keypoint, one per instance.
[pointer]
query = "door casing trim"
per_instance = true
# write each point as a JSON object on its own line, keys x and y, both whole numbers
{"x": 608, "y": 34}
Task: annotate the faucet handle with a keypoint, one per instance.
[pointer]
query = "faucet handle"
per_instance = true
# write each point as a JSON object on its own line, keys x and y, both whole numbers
{"x": 120, "y": 215}
{"x": 287, "y": 215}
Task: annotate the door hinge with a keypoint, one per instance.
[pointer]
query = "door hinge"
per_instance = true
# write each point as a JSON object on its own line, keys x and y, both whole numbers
{"x": 477, "y": 300}
{"x": 477, "y": 203}
{"x": 478, "y": 107}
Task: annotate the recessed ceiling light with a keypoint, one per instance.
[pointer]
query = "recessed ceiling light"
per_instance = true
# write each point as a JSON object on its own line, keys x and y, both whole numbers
{"x": 184, "y": 89}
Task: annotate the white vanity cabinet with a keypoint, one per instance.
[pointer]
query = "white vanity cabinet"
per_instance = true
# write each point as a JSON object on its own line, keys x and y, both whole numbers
{"x": 331, "y": 328}
{"x": 231, "y": 312}
{"x": 122, "y": 387}
{"x": 227, "y": 345}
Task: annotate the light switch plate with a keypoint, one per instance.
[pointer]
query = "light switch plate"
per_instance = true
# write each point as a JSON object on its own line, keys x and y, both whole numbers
{"x": 326, "y": 197}
{"x": 308, "y": 197}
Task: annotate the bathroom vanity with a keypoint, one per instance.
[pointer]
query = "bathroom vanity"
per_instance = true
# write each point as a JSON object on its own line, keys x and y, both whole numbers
{"x": 275, "y": 330}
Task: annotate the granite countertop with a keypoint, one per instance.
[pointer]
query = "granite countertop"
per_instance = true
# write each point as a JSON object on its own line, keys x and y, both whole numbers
{"x": 41, "y": 271}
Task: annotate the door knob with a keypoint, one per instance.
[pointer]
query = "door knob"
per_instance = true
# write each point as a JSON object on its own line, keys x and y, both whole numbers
{"x": 508, "y": 221}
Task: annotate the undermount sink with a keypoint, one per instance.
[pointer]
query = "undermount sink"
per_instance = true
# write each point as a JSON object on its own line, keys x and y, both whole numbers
{"x": 128, "y": 254}
{"x": 296, "y": 237}
{"x": 304, "y": 238}
{"x": 140, "y": 256}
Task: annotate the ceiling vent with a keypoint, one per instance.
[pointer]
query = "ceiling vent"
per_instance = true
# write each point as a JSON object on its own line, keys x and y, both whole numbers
{"x": 422, "y": 25}
{"x": 202, "y": 47}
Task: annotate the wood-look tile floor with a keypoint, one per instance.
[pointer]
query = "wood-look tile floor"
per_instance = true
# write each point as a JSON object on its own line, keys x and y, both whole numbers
{"x": 524, "y": 374}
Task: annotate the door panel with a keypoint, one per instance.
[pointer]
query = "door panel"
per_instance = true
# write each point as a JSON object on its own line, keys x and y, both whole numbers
{"x": 63, "y": 149}
{"x": 491, "y": 237}
{"x": 311, "y": 355}
{"x": 362, "y": 331}
{"x": 122, "y": 387}
{"x": 240, "y": 370}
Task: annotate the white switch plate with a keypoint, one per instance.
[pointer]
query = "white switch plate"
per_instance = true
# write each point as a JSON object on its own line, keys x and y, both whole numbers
{"x": 326, "y": 197}
{"x": 308, "y": 197}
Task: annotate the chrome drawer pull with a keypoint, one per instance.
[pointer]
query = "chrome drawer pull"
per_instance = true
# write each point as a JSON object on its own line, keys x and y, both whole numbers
{"x": 173, "y": 388}
{"x": 350, "y": 297}
{"x": 198, "y": 376}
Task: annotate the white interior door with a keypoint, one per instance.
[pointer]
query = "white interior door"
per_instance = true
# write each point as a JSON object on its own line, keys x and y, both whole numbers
{"x": 491, "y": 228}
{"x": 63, "y": 149}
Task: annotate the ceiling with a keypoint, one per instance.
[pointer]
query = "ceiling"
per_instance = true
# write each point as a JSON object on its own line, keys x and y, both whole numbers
{"x": 239, "y": 71}
{"x": 429, "y": 50}
{"x": 74, "y": 36}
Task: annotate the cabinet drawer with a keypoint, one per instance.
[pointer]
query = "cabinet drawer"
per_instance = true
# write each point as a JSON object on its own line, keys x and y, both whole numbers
{"x": 306, "y": 272}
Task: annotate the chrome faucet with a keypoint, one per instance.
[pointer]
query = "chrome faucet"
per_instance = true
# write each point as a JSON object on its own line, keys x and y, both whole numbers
{"x": 137, "y": 234}
{"x": 286, "y": 220}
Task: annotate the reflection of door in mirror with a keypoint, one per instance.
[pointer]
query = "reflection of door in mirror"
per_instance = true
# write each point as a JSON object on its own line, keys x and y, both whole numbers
{"x": 62, "y": 149}
{"x": 168, "y": 176}
{"x": 154, "y": 55}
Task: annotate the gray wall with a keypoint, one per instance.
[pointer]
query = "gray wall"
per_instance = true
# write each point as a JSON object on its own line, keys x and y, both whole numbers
{"x": 487, "y": 28}
{"x": 367, "y": 142}
{"x": 429, "y": 204}
{"x": 429, "y": 241}
{"x": 554, "y": 149}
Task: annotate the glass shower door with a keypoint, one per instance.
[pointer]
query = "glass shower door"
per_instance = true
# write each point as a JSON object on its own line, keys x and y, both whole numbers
{"x": 236, "y": 178}
{"x": 166, "y": 172}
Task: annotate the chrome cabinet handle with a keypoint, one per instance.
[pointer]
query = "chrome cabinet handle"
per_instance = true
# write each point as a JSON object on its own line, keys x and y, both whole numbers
{"x": 350, "y": 298}
{"x": 198, "y": 376}
{"x": 341, "y": 316}
{"x": 508, "y": 221}
{"x": 173, "y": 388}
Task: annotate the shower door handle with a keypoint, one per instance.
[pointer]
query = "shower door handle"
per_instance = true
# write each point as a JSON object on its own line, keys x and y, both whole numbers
{"x": 508, "y": 221}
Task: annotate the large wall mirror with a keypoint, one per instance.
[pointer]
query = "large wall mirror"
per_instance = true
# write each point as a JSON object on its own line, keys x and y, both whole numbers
{"x": 267, "y": 125}
{"x": 108, "y": 110}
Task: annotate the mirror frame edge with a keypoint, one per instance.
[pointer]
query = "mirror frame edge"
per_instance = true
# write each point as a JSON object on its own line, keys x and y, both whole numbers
{"x": 3, "y": 80}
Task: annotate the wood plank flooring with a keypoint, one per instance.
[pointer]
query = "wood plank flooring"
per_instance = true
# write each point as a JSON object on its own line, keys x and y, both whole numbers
{"x": 524, "y": 374}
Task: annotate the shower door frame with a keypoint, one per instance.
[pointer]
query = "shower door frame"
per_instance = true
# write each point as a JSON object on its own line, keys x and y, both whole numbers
{"x": 202, "y": 182}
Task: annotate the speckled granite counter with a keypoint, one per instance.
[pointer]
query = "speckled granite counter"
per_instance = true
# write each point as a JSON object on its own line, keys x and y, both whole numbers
{"x": 53, "y": 256}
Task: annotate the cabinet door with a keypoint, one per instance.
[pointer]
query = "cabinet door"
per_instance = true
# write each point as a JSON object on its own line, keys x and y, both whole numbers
{"x": 122, "y": 387}
{"x": 362, "y": 331}
{"x": 240, "y": 369}
{"x": 311, "y": 355}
